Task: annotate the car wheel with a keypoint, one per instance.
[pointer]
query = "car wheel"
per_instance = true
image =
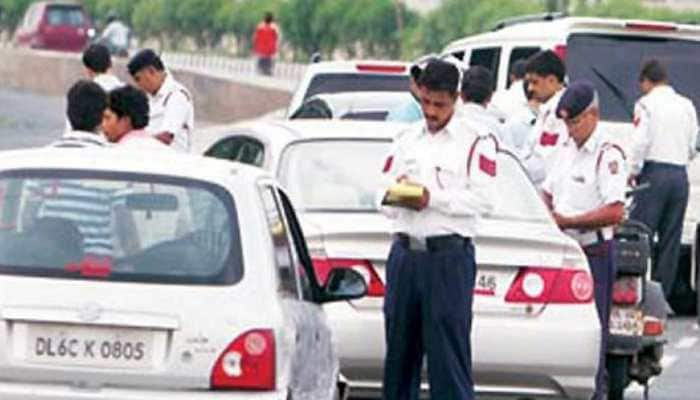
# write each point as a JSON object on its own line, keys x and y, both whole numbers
{"x": 617, "y": 376}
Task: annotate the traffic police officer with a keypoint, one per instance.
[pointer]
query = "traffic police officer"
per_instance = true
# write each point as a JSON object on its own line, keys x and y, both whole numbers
{"x": 586, "y": 194}
{"x": 545, "y": 73}
{"x": 665, "y": 131}
{"x": 431, "y": 268}
{"x": 171, "y": 110}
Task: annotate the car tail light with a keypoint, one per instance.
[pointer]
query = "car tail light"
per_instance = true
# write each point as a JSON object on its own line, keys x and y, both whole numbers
{"x": 626, "y": 290}
{"x": 653, "y": 326}
{"x": 560, "y": 50}
{"x": 383, "y": 68}
{"x": 247, "y": 363}
{"x": 550, "y": 285}
{"x": 651, "y": 26}
{"x": 323, "y": 266}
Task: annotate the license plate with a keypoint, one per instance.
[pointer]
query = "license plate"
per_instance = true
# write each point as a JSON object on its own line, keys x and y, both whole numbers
{"x": 491, "y": 283}
{"x": 626, "y": 321}
{"x": 89, "y": 346}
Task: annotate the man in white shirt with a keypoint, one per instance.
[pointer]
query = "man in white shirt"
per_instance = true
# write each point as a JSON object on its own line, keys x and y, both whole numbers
{"x": 665, "y": 132}
{"x": 98, "y": 67}
{"x": 545, "y": 73}
{"x": 512, "y": 100}
{"x": 171, "y": 108}
{"x": 477, "y": 88}
{"x": 116, "y": 35}
{"x": 586, "y": 193}
{"x": 431, "y": 268}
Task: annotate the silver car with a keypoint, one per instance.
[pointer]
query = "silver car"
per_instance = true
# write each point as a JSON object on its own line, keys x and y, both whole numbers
{"x": 535, "y": 332}
{"x": 125, "y": 276}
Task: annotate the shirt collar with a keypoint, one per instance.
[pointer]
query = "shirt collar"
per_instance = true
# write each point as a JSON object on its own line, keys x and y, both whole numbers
{"x": 553, "y": 101}
{"x": 591, "y": 144}
{"x": 166, "y": 87}
{"x": 662, "y": 89}
{"x": 86, "y": 136}
{"x": 450, "y": 129}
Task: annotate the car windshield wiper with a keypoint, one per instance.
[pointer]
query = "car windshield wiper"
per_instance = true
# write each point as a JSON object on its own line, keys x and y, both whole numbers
{"x": 617, "y": 93}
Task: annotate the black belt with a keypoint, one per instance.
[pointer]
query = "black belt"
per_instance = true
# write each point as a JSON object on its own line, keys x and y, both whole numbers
{"x": 431, "y": 243}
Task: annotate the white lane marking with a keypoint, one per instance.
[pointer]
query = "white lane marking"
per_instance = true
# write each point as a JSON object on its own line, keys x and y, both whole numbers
{"x": 667, "y": 361}
{"x": 686, "y": 342}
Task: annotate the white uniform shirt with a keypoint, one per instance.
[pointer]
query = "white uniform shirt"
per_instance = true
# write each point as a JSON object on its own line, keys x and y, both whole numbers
{"x": 587, "y": 178}
{"x": 108, "y": 82}
{"x": 666, "y": 129}
{"x": 477, "y": 114}
{"x": 545, "y": 138}
{"x": 457, "y": 166}
{"x": 172, "y": 111}
{"x": 117, "y": 34}
{"x": 512, "y": 100}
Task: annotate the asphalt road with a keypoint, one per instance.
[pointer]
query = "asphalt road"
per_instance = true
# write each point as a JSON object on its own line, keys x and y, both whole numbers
{"x": 30, "y": 120}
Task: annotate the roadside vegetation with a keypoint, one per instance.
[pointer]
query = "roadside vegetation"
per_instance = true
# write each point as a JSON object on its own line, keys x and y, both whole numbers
{"x": 347, "y": 28}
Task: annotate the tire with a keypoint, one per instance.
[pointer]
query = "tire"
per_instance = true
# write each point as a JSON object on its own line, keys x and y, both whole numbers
{"x": 617, "y": 376}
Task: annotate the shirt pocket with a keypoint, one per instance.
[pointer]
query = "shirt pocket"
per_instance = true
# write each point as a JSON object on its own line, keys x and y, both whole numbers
{"x": 446, "y": 174}
{"x": 584, "y": 191}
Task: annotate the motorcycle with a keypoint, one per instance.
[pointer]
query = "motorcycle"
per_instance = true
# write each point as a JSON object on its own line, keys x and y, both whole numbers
{"x": 638, "y": 313}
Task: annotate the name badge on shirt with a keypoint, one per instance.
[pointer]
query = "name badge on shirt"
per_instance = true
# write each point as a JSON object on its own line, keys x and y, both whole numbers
{"x": 578, "y": 178}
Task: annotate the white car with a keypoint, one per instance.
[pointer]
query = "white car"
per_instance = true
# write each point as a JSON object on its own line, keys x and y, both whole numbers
{"x": 609, "y": 53}
{"x": 159, "y": 277}
{"x": 535, "y": 332}
{"x": 368, "y": 106}
{"x": 350, "y": 76}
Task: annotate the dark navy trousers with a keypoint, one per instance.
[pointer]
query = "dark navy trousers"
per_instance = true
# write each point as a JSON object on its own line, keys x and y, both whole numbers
{"x": 428, "y": 311}
{"x": 662, "y": 209}
{"x": 601, "y": 261}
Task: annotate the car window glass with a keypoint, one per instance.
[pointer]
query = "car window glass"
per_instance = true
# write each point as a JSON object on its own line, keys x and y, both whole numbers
{"x": 313, "y": 109}
{"x": 519, "y": 53}
{"x": 615, "y": 75}
{"x": 346, "y": 82}
{"x": 243, "y": 149}
{"x": 333, "y": 175}
{"x": 60, "y": 15}
{"x": 33, "y": 17}
{"x": 489, "y": 58}
{"x": 302, "y": 258}
{"x": 118, "y": 227}
{"x": 517, "y": 197}
{"x": 280, "y": 242}
{"x": 459, "y": 55}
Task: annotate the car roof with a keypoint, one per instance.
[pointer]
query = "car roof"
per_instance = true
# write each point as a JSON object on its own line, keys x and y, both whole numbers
{"x": 359, "y": 66}
{"x": 164, "y": 163}
{"x": 559, "y": 28}
{"x": 345, "y": 102}
{"x": 282, "y": 132}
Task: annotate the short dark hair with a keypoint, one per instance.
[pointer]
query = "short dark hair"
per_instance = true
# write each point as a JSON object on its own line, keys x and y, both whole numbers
{"x": 269, "y": 17}
{"x": 86, "y": 104}
{"x": 546, "y": 63}
{"x": 517, "y": 69}
{"x": 477, "y": 84}
{"x": 654, "y": 71}
{"x": 97, "y": 58}
{"x": 128, "y": 101}
{"x": 145, "y": 58}
{"x": 440, "y": 76}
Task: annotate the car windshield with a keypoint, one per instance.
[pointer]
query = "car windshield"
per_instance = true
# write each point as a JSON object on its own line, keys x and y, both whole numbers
{"x": 117, "y": 227}
{"x": 65, "y": 15}
{"x": 333, "y": 175}
{"x": 613, "y": 62}
{"x": 339, "y": 83}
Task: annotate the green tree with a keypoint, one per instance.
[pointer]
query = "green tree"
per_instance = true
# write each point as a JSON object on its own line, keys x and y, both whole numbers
{"x": 241, "y": 17}
{"x": 11, "y": 13}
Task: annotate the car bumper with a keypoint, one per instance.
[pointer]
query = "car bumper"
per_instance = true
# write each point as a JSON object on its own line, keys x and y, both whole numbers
{"x": 36, "y": 391}
{"x": 554, "y": 354}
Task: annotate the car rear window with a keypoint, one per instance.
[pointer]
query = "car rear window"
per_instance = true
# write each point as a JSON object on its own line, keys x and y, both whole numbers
{"x": 59, "y": 15}
{"x": 118, "y": 227}
{"x": 613, "y": 62}
{"x": 334, "y": 175}
{"x": 338, "y": 83}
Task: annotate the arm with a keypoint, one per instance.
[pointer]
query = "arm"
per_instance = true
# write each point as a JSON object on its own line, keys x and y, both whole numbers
{"x": 473, "y": 189}
{"x": 693, "y": 131}
{"x": 176, "y": 116}
{"x": 641, "y": 138}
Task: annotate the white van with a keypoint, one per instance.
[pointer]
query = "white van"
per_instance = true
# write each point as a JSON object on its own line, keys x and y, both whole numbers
{"x": 609, "y": 53}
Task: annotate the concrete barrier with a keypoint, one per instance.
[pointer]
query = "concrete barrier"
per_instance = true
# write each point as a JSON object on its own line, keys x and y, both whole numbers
{"x": 217, "y": 98}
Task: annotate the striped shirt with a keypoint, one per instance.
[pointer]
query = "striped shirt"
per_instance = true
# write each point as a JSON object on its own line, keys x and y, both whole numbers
{"x": 84, "y": 203}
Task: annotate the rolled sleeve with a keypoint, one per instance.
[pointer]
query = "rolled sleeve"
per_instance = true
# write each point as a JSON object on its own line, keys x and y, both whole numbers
{"x": 177, "y": 113}
{"x": 641, "y": 138}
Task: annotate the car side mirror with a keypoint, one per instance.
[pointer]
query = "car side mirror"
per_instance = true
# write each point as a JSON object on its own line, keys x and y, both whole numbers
{"x": 343, "y": 284}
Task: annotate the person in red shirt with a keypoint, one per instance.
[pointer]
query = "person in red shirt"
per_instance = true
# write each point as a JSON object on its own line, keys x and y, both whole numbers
{"x": 265, "y": 43}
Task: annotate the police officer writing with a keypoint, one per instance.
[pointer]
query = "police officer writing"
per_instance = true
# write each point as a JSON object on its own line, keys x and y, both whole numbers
{"x": 586, "y": 194}
{"x": 665, "y": 131}
{"x": 171, "y": 110}
{"x": 438, "y": 176}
